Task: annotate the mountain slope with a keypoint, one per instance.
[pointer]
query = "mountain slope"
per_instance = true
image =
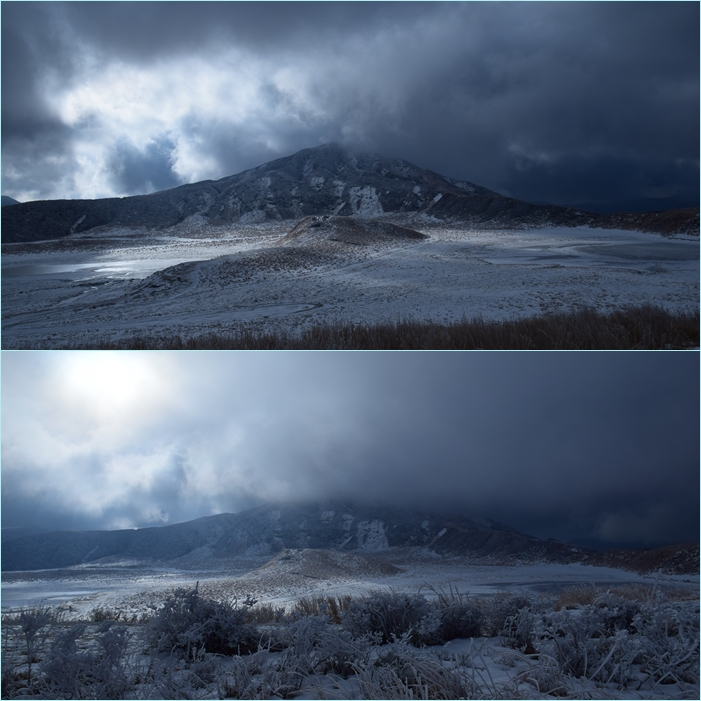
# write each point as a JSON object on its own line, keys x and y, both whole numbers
{"x": 326, "y": 180}
{"x": 330, "y": 527}
{"x": 267, "y": 530}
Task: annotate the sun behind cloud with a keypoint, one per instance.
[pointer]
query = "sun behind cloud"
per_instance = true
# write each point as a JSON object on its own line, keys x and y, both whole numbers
{"x": 107, "y": 389}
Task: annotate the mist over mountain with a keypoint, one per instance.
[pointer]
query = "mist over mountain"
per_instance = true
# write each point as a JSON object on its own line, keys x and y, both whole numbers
{"x": 331, "y": 526}
{"x": 325, "y": 180}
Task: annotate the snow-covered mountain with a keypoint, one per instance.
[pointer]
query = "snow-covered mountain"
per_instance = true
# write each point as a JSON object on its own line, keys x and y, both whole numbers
{"x": 331, "y": 526}
{"x": 325, "y": 180}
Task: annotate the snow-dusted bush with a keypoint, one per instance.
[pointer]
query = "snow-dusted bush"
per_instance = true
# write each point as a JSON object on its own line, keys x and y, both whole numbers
{"x": 188, "y": 622}
{"x": 263, "y": 676}
{"x": 670, "y": 643}
{"x": 100, "y": 672}
{"x": 402, "y": 672}
{"x": 323, "y": 647}
{"x": 459, "y": 616}
{"x": 35, "y": 624}
{"x": 519, "y": 629}
{"x": 390, "y": 614}
{"x": 614, "y": 640}
{"x": 500, "y": 608}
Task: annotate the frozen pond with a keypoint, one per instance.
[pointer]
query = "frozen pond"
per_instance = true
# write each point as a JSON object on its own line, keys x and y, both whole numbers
{"x": 634, "y": 253}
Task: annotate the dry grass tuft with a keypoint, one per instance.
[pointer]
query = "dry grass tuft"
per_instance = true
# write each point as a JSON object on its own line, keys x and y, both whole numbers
{"x": 635, "y": 328}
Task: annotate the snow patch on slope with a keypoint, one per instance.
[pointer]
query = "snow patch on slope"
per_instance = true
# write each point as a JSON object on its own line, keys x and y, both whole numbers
{"x": 365, "y": 202}
{"x": 371, "y": 536}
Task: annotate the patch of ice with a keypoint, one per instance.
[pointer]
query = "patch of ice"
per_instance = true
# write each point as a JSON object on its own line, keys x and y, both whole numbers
{"x": 437, "y": 197}
{"x": 317, "y": 182}
{"x": 338, "y": 188}
{"x": 416, "y": 190}
{"x": 308, "y": 167}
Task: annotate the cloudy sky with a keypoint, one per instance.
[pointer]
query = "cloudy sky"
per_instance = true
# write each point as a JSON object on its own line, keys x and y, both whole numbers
{"x": 596, "y": 445}
{"x": 565, "y": 103}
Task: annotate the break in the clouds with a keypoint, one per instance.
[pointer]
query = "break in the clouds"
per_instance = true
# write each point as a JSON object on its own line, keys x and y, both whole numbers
{"x": 571, "y": 446}
{"x": 565, "y": 103}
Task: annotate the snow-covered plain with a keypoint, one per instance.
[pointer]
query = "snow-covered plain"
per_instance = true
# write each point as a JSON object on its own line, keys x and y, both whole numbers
{"x": 133, "y": 586}
{"x": 195, "y": 278}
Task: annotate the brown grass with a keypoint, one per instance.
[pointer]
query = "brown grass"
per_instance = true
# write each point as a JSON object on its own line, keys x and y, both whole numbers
{"x": 332, "y": 606}
{"x": 576, "y": 596}
{"x": 635, "y": 328}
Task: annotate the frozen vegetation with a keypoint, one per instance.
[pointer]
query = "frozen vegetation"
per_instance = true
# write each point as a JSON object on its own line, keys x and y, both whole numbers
{"x": 394, "y": 623}
{"x": 627, "y": 641}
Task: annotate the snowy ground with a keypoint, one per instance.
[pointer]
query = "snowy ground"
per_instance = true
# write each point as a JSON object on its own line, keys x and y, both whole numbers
{"x": 132, "y": 587}
{"x": 194, "y": 279}
{"x": 494, "y": 667}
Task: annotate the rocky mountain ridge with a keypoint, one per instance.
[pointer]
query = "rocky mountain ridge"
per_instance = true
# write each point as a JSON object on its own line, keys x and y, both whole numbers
{"x": 332, "y": 526}
{"x": 325, "y": 180}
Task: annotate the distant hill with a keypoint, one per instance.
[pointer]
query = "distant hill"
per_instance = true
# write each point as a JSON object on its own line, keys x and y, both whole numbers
{"x": 325, "y": 180}
{"x": 332, "y": 526}
{"x": 6, "y": 201}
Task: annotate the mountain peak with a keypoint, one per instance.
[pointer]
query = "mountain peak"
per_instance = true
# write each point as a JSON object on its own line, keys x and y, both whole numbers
{"x": 330, "y": 179}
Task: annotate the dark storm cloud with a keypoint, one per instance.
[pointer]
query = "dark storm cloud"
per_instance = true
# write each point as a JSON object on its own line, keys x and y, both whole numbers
{"x": 137, "y": 172}
{"x": 537, "y": 100}
{"x": 601, "y": 446}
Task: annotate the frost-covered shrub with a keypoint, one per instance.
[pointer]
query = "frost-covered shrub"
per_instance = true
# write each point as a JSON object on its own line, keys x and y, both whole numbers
{"x": 401, "y": 672}
{"x": 461, "y": 620}
{"x": 390, "y": 614}
{"x": 577, "y": 641}
{"x": 518, "y": 630}
{"x": 460, "y": 616}
{"x": 617, "y": 612}
{"x": 100, "y": 672}
{"x": 189, "y": 622}
{"x": 263, "y": 676}
{"x": 497, "y": 609}
{"x": 546, "y": 676}
{"x": 323, "y": 648}
{"x": 670, "y": 642}
{"x": 35, "y": 624}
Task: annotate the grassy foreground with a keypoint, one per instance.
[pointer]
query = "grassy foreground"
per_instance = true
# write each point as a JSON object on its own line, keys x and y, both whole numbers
{"x": 634, "y": 328}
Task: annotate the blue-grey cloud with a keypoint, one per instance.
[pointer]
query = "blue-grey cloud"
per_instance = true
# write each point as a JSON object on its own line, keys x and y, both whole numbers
{"x": 543, "y": 101}
{"x": 561, "y": 445}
